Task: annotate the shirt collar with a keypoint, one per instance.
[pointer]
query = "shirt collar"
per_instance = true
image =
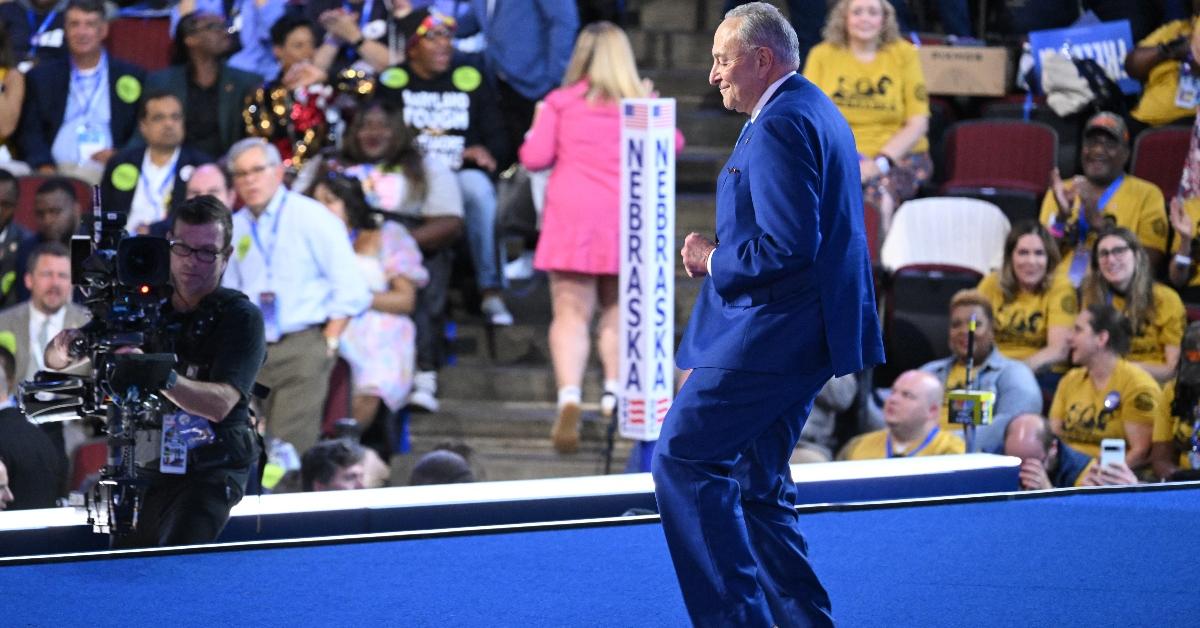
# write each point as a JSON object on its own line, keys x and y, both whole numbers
{"x": 36, "y": 316}
{"x": 273, "y": 205}
{"x": 766, "y": 96}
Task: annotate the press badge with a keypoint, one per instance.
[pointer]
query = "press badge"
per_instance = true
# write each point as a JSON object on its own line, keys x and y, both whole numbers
{"x": 90, "y": 141}
{"x": 182, "y": 432}
{"x": 270, "y": 315}
{"x": 1189, "y": 87}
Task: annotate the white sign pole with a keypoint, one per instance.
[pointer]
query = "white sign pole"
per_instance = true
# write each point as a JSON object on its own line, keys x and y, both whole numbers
{"x": 647, "y": 291}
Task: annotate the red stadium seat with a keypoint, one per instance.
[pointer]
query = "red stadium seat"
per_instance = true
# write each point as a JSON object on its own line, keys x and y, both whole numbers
{"x": 142, "y": 41}
{"x": 917, "y": 315}
{"x": 29, "y": 185}
{"x": 1009, "y": 154}
{"x": 337, "y": 401}
{"x": 87, "y": 462}
{"x": 1158, "y": 156}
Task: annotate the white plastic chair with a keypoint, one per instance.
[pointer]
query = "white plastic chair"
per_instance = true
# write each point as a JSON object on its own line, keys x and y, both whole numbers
{"x": 950, "y": 231}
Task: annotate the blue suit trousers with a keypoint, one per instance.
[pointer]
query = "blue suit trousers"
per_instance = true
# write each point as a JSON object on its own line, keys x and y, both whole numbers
{"x": 727, "y": 499}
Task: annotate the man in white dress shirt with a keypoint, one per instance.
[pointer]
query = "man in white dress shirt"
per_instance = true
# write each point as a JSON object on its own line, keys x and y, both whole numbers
{"x": 291, "y": 256}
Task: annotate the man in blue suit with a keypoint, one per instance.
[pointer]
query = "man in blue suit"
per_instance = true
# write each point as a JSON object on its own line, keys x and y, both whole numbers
{"x": 788, "y": 303}
{"x": 78, "y": 111}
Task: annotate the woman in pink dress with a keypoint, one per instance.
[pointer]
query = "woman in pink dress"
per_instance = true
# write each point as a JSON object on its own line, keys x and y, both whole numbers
{"x": 576, "y": 130}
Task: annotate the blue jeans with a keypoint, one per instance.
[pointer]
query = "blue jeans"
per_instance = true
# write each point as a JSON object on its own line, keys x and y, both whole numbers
{"x": 479, "y": 207}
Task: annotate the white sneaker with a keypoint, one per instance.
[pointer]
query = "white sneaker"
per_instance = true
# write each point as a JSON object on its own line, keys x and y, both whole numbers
{"x": 495, "y": 312}
{"x": 521, "y": 268}
{"x": 424, "y": 392}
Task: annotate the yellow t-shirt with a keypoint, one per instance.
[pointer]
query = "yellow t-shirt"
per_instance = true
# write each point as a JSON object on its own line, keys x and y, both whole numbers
{"x": 877, "y": 98}
{"x": 1166, "y": 330}
{"x": 873, "y": 446}
{"x": 1157, "y": 105}
{"x": 1080, "y": 406}
{"x": 1022, "y": 323}
{"x": 1137, "y": 205}
{"x": 1168, "y": 428}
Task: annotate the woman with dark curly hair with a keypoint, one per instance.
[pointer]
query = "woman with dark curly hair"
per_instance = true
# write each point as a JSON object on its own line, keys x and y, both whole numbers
{"x": 380, "y": 343}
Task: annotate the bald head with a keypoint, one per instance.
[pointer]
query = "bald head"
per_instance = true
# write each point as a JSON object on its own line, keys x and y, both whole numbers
{"x": 914, "y": 405}
{"x": 1028, "y": 436}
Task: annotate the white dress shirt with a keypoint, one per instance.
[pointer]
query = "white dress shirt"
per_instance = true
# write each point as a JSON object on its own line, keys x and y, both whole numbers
{"x": 54, "y": 324}
{"x": 298, "y": 251}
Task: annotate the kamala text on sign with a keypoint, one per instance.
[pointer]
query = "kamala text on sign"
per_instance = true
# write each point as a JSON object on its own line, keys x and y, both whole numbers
{"x": 647, "y": 276}
{"x": 1107, "y": 43}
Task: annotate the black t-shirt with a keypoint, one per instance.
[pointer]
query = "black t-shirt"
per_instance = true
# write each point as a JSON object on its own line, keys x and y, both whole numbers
{"x": 22, "y": 24}
{"x": 222, "y": 341}
{"x": 203, "y": 129}
{"x": 449, "y": 112}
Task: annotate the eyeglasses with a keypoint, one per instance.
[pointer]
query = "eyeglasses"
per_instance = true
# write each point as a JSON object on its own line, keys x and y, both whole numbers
{"x": 1115, "y": 251}
{"x": 207, "y": 256}
{"x": 250, "y": 172}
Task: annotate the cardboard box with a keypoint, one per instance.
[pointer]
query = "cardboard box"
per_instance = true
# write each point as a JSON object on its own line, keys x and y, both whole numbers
{"x": 965, "y": 70}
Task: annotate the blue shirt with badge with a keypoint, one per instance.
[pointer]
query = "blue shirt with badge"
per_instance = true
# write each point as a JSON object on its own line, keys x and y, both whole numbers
{"x": 296, "y": 263}
{"x": 86, "y": 128}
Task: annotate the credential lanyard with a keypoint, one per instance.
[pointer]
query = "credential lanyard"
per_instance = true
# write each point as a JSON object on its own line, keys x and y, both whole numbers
{"x": 268, "y": 254}
{"x": 157, "y": 201}
{"x": 923, "y": 445}
{"x": 1104, "y": 199}
{"x": 35, "y": 34}
{"x": 101, "y": 77}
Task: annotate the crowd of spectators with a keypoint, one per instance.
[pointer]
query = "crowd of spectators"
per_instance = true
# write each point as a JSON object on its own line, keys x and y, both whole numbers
{"x": 359, "y": 145}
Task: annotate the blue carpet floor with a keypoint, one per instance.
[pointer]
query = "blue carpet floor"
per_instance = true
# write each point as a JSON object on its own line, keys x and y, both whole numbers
{"x": 1107, "y": 559}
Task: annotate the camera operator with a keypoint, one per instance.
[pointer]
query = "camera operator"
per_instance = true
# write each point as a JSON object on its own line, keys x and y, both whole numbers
{"x": 218, "y": 340}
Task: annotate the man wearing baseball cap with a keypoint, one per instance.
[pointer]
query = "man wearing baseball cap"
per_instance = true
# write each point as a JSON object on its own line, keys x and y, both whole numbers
{"x": 1075, "y": 209}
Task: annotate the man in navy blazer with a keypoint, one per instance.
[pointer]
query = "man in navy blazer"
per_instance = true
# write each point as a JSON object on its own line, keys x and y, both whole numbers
{"x": 90, "y": 97}
{"x": 788, "y": 302}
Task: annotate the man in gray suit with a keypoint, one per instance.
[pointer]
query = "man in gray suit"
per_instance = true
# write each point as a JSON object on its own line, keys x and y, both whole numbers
{"x": 35, "y": 322}
{"x": 48, "y": 311}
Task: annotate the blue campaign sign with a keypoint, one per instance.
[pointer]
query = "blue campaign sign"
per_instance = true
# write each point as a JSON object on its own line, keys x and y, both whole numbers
{"x": 1106, "y": 43}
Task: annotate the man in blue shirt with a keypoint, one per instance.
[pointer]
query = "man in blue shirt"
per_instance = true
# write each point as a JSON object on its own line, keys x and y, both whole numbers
{"x": 292, "y": 258}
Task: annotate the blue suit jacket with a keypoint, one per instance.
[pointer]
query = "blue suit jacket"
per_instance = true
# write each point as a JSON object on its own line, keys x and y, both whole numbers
{"x": 47, "y": 88}
{"x": 529, "y": 42}
{"x": 791, "y": 287}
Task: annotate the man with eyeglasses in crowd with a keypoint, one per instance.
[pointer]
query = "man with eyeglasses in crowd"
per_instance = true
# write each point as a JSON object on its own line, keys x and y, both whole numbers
{"x": 219, "y": 344}
{"x": 291, "y": 256}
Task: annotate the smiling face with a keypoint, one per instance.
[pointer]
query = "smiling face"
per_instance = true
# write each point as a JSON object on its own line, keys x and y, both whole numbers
{"x": 1085, "y": 342}
{"x": 374, "y": 134}
{"x": 864, "y": 21}
{"x": 430, "y": 56}
{"x": 739, "y": 71}
{"x": 960, "y": 326}
{"x": 1116, "y": 261}
{"x": 1029, "y": 261}
{"x": 299, "y": 45}
{"x": 85, "y": 32}
{"x": 1103, "y": 157}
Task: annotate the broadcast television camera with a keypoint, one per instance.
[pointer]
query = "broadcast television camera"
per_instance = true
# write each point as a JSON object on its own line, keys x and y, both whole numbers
{"x": 125, "y": 283}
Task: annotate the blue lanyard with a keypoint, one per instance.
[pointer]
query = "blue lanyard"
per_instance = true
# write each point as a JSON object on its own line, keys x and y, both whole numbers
{"x": 1104, "y": 199}
{"x": 923, "y": 445}
{"x": 34, "y": 34}
{"x": 101, "y": 77}
{"x": 156, "y": 201}
{"x": 267, "y": 254}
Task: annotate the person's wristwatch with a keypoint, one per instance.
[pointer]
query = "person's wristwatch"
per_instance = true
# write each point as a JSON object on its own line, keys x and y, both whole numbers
{"x": 884, "y": 163}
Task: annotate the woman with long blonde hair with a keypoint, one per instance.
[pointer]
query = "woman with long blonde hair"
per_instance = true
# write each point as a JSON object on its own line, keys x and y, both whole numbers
{"x": 576, "y": 130}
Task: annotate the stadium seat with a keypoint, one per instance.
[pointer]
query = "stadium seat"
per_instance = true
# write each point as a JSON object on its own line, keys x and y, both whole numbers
{"x": 143, "y": 41}
{"x": 1068, "y": 128}
{"x": 1158, "y": 156}
{"x": 337, "y": 401}
{"x": 916, "y": 316}
{"x": 951, "y": 231}
{"x": 1017, "y": 205}
{"x": 1010, "y": 154}
{"x": 87, "y": 462}
{"x": 29, "y": 185}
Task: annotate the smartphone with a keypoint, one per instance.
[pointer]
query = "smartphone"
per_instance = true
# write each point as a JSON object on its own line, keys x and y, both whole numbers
{"x": 1112, "y": 450}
